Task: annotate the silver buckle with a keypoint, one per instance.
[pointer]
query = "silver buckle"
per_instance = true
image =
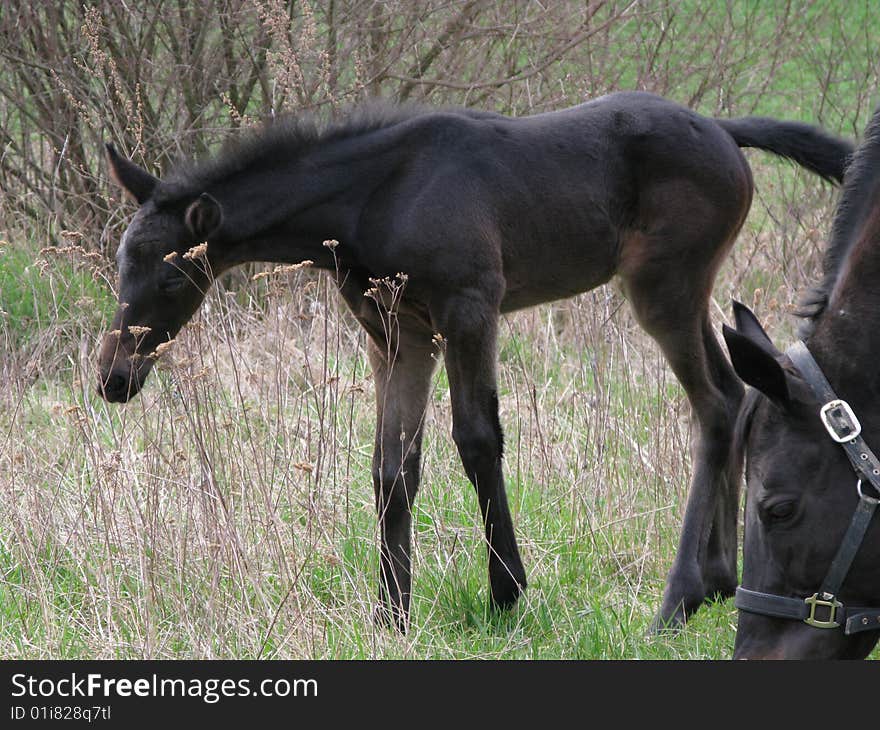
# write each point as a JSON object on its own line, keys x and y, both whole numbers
{"x": 840, "y": 421}
{"x": 862, "y": 495}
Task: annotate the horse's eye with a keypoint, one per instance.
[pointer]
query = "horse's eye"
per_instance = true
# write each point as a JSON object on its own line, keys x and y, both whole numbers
{"x": 781, "y": 511}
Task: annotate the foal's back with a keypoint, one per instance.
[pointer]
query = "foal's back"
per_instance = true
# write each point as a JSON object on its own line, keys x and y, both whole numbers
{"x": 553, "y": 204}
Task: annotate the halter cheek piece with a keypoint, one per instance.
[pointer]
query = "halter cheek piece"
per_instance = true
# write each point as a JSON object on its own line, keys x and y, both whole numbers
{"x": 823, "y": 610}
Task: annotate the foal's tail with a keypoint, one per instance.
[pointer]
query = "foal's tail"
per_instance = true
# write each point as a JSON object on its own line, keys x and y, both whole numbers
{"x": 811, "y": 147}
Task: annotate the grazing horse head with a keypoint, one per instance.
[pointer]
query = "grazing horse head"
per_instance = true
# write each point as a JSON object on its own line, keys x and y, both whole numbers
{"x": 164, "y": 272}
{"x": 810, "y": 431}
{"x": 802, "y": 495}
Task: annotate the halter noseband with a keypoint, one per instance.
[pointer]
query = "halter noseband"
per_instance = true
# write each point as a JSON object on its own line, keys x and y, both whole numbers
{"x": 842, "y": 425}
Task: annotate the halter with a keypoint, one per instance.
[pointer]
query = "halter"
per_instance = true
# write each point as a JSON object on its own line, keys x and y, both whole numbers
{"x": 842, "y": 425}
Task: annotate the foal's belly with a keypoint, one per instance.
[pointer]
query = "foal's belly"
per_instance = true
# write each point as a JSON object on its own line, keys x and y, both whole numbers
{"x": 523, "y": 297}
{"x": 557, "y": 270}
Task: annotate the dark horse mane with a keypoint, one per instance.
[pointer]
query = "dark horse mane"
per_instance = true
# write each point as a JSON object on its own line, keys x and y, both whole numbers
{"x": 281, "y": 138}
{"x": 857, "y": 194}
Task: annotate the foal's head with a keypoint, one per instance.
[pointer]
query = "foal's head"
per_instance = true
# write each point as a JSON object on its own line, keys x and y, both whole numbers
{"x": 164, "y": 272}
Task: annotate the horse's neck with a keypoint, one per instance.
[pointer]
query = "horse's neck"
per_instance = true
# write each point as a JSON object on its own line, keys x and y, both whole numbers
{"x": 847, "y": 334}
{"x": 846, "y": 338}
{"x": 861, "y": 191}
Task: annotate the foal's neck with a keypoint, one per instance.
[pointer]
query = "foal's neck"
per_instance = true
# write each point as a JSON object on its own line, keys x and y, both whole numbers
{"x": 287, "y": 215}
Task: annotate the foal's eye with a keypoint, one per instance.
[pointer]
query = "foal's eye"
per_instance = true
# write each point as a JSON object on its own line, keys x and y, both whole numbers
{"x": 172, "y": 283}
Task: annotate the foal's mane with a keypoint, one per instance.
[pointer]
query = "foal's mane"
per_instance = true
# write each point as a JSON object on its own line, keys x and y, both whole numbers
{"x": 281, "y": 138}
{"x": 857, "y": 195}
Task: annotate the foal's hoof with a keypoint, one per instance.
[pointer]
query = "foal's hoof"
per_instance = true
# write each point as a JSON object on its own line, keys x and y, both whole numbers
{"x": 720, "y": 580}
{"x": 506, "y": 593}
{"x": 668, "y": 624}
{"x": 684, "y": 593}
{"x": 390, "y": 617}
{"x": 673, "y": 615}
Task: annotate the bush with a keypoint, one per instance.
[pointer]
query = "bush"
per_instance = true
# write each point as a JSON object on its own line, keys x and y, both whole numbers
{"x": 168, "y": 80}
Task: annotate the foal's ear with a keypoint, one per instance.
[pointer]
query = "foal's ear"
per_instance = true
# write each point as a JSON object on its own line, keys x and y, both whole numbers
{"x": 138, "y": 183}
{"x": 755, "y": 357}
{"x": 204, "y": 216}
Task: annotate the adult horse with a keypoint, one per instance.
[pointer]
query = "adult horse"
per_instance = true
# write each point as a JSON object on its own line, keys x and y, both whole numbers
{"x": 484, "y": 214}
{"x": 811, "y": 551}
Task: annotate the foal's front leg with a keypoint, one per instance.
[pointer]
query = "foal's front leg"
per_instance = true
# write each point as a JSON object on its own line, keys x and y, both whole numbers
{"x": 402, "y": 379}
{"x": 470, "y": 328}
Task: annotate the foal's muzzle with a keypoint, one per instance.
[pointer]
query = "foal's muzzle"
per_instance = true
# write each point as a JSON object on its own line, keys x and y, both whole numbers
{"x": 121, "y": 372}
{"x": 117, "y": 388}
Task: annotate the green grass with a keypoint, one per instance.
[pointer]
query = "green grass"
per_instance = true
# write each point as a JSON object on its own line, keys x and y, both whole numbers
{"x": 228, "y": 510}
{"x": 45, "y": 291}
{"x": 114, "y": 541}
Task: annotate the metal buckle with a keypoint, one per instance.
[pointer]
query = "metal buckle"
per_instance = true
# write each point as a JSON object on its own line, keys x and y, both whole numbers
{"x": 827, "y": 601}
{"x": 840, "y": 421}
{"x": 862, "y": 495}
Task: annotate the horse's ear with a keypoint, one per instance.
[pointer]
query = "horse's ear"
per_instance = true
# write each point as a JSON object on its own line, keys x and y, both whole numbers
{"x": 747, "y": 324}
{"x": 755, "y": 357}
{"x": 138, "y": 183}
{"x": 204, "y": 216}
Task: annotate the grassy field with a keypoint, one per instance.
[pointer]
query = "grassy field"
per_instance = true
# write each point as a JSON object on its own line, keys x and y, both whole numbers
{"x": 227, "y": 512}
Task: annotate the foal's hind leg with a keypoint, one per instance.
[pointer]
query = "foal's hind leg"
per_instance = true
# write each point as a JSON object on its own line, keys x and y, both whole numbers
{"x": 720, "y": 571}
{"x": 674, "y": 312}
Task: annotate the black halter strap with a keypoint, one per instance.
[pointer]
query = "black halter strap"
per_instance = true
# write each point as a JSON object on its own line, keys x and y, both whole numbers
{"x": 842, "y": 426}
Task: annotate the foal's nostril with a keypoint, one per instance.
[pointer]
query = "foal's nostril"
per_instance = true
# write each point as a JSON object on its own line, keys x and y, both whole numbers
{"x": 114, "y": 388}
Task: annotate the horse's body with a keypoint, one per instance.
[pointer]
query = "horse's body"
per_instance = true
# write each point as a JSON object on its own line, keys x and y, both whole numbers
{"x": 802, "y": 493}
{"x": 483, "y": 214}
